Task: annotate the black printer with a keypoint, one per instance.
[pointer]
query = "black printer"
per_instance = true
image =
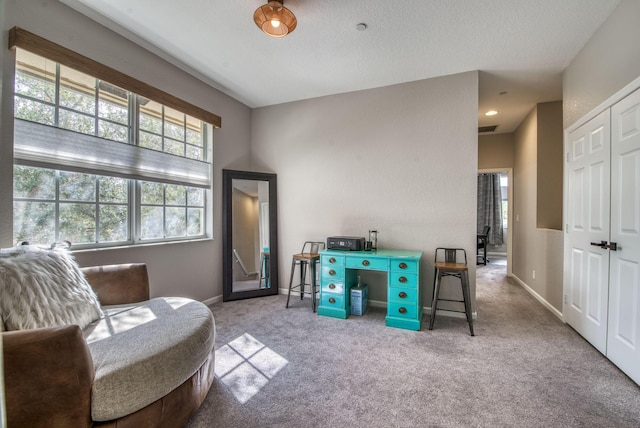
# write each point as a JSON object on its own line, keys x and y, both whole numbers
{"x": 348, "y": 243}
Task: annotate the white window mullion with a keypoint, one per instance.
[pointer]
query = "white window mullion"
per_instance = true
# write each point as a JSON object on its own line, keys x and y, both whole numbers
{"x": 56, "y": 208}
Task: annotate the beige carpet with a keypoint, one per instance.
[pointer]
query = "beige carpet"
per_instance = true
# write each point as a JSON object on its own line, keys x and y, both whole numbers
{"x": 282, "y": 367}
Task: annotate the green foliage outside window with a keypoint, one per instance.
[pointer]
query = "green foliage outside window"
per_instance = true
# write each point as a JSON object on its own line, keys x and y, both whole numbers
{"x": 52, "y": 205}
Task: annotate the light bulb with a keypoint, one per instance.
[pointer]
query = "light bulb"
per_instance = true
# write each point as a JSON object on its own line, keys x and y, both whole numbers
{"x": 275, "y": 23}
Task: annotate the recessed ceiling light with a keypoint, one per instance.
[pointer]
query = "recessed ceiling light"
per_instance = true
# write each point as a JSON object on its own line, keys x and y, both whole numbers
{"x": 361, "y": 26}
{"x": 491, "y": 113}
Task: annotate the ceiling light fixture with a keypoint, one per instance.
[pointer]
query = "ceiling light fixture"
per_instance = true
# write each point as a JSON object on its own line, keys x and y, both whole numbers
{"x": 274, "y": 19}
{"x": 491, "y": 113}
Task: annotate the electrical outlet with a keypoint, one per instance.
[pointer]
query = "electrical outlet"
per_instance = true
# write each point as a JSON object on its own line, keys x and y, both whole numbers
{"x": 534, "y": 274}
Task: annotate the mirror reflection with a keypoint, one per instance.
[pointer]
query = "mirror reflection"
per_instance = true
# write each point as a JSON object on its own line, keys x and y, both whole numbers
{"x": 249, "y": 241}
{"x": 250, "y": 235}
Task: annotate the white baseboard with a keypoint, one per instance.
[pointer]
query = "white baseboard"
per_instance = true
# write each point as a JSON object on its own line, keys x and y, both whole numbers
{"x": 538, "y": 297}
{"x": 212, "y": 300}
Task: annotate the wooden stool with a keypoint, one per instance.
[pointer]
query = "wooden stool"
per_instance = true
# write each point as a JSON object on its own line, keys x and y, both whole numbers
{"x": 450, "y": 267}
{"x": 309, "y": 256}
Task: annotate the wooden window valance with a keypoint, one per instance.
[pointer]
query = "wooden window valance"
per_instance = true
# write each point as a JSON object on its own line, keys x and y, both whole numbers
{"x": 33, "y": 43}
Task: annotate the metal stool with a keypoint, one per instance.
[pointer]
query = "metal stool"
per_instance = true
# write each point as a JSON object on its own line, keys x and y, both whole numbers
{"x": 308, "y": 257}
{"x": 450, "y": 267}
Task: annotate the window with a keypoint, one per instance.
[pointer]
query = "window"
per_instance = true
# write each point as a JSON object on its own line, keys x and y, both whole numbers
{"x": 52, "y": 205}
{"x": 99, "y": 165}
{"x": 504, "y": 185}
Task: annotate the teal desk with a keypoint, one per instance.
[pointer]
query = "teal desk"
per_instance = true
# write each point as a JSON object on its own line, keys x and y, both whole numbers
{"x": 339, "y": 270}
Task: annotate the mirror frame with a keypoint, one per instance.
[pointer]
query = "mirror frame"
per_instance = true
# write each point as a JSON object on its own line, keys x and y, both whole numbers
{"x": 228, "y": 175}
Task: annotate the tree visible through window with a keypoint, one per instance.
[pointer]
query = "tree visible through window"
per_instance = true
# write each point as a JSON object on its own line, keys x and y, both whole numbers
{"x": 87, "y": 205}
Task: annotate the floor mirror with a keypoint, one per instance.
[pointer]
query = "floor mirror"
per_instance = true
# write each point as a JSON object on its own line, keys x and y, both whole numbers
{"x": 249, "y": 223}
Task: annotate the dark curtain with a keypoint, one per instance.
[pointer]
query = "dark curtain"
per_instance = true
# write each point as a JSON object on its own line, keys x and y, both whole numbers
{"x": 490, "y": 207}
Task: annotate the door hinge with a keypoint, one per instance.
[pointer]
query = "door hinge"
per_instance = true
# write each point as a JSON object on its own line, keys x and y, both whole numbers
{"x": 567, "y": 156}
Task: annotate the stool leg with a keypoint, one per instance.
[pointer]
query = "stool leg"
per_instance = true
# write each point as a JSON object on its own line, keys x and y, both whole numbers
{"x": 293, "y": 268}
{"x": 303, "y": 274}
{"x": 434, "y": 304}
{"x": 466, "y": 295}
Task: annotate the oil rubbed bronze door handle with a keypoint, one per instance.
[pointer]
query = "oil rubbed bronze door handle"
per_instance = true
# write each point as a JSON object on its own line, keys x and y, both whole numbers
{"x": 402, "y": 310}
{"x": 332, "y": 300}
{"x": 402, "y": 279}
{"x": 402, "y": 265}
{"x": 332, "y": 286}
{"x": 402, "y": 295}
{"x": 365, "y": 263}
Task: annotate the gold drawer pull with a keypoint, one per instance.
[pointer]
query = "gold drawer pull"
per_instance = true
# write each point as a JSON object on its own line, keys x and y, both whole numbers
{"x": 402, "y": 279}
{"x": 332, "y": 300}
{"x": 402, "y": 265}
{"x": 402, "y": 294}
{"x": 332, "y": 272}
{"x": 402, "y": 310}
{"x": 332, "y": 260}
{"x": 365, "y": 263}
{"x": 332, "y": 286}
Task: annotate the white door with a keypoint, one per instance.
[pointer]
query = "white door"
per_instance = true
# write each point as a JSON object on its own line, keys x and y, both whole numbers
{"x": 623, "y": 344}
{"x": 586, "y": 269}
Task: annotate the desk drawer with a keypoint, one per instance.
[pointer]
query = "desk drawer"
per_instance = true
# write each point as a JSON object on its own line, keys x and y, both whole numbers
{"x": 402, "y": 279}
{"x": 357, "y": 262}
{"x": 403, "y": 296}
{"x": 332, "y": 260}
{"x": 332, "y": 286}
{"x": 332, "y": 272}
{"x": 402, "y": 310}
{"x": 404, "y": 265}
{"x": 332, "y": 300}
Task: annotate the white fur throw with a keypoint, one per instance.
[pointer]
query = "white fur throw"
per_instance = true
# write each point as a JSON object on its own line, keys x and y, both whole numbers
{"x": 44, "y": 288}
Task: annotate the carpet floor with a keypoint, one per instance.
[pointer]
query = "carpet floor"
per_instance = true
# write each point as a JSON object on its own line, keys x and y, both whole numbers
{"x": 278, "y": 367}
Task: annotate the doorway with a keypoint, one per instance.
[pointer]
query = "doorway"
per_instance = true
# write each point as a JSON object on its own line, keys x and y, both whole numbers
{"x": 501, "y": 255}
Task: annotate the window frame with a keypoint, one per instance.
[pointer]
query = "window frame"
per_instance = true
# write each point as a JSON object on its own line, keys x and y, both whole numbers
{"x": 19, "y": 38}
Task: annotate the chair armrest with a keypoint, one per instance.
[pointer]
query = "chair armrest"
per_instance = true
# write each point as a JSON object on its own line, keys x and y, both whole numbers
{"x": 48, "y": 377}
{"x": 119, "y": 284}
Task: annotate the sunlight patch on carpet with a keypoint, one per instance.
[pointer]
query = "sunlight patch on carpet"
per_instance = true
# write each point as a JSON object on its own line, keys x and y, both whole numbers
{"x": 245, "y": 366}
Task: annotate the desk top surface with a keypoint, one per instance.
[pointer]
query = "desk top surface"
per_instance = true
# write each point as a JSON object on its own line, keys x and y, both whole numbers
{"x": 380, "y": 253}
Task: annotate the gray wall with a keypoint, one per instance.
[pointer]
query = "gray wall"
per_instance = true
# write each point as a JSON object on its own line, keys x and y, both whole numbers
{"x": 495, "y": 151}
{"x": 549, "y": 164}
{"x": 534, "y": 249}
{"x": 400, "y": 159}
{"x": 192, "y": 269}
{"x": 608, "y": 62}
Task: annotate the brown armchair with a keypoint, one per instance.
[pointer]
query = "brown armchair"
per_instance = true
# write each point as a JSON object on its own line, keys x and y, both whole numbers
{"x": 49, "y": 372}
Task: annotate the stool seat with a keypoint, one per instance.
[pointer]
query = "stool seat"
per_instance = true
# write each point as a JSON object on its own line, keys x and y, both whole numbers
{"x": 308, "y": 257}
{"x": 451, "y": 266}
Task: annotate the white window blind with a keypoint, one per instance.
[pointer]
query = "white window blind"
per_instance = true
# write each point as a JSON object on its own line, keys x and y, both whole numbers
{"x": 46, "y": 146}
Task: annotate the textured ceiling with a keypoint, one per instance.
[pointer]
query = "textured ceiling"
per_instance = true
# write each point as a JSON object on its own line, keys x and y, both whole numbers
{"x": 520, "y": 46}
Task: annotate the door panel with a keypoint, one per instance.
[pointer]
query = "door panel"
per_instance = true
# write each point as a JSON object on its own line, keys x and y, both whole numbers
{"x": 588, "y": 170}
{"x": 623, "y": 344}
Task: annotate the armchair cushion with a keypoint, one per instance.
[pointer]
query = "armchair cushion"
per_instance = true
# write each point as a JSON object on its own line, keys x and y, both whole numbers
{"x": 44, "y": 288}
{"x": 165, "y": 340}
